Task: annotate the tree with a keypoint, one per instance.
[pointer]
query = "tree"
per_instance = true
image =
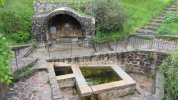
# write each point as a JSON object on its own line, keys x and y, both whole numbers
{"x": 5, "y": 59}
{"x": 109, "y": 15}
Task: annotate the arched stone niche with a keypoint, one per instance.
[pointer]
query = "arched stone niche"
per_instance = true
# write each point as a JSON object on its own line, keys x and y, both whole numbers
{"x": 64, "y": 22}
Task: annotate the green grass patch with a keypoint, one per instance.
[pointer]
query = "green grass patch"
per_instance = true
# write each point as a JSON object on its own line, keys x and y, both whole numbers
{"x": 15, "y": 17}
{"x": 67, "y": 0}
{"x": 170, "y": 26}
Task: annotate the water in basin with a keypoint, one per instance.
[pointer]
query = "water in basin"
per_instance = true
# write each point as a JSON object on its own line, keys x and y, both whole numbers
{"x": 99, "y": 75}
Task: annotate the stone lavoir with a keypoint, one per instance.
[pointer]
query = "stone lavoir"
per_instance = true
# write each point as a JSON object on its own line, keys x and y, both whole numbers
{"x": 89, "y": 87}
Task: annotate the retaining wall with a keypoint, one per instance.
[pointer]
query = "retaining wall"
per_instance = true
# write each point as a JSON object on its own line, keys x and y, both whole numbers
{"x": 140, "y": 62}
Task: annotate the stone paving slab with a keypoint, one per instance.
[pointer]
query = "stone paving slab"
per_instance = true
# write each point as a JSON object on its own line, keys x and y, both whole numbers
{"x": 22, "y": 63}
{"x": 35, "y": 87}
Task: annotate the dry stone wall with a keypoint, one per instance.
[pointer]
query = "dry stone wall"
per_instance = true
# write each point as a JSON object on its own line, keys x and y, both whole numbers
{"x": 141, "y": 62}
{"x": 107, "y": 95}
{"x": 41, "y": 7}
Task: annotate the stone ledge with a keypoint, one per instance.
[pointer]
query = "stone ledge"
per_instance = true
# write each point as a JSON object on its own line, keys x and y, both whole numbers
{"x": 83, "y": 87}
{"x": 56, "y": 93}
{"x": 126, "y": 84}
{"x": 63, "y": 77}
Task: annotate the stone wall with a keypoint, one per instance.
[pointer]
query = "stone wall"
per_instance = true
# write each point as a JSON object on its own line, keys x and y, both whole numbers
{"x": 109, "y": 94}
{"x": 39, "y": 28}
{"x": 141, "y": 62}
{"x": 3, "y": 91}
{"x": 67, "y": 83}
{"x": 46, "y": 7}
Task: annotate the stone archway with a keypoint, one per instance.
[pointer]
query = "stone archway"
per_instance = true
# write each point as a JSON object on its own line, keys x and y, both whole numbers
{"x": 65, "y": 23}
{"x": 64, "y": 26}
{"x": 78, "y": 26}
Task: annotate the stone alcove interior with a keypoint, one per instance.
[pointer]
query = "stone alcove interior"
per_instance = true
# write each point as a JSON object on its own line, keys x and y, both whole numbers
{"x": 64, "y": 26}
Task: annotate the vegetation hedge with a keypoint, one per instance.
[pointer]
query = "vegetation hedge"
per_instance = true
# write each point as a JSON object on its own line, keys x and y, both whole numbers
{"x": 170, "y": 69}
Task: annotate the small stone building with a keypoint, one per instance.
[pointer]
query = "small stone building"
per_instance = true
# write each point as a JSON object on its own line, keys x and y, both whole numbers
{"x": 55, "y": 21}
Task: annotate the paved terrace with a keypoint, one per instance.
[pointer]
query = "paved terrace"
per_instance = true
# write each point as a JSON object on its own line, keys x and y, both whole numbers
{"x": 65, "y": 50}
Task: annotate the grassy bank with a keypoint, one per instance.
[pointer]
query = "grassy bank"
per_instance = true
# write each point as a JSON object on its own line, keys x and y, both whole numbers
{"x": 15, "y": 20}
{"x": 139, "y": 13}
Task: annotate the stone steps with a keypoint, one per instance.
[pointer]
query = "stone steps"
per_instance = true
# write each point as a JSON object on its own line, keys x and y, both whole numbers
{"x": 158, "y": 20}
{"x": 170, "y": 9}
{"x": 154, "y": 24}
{"x": 149, "y": 27}
{"x": 160, "y": 17}
{"x": 145, "y": 31}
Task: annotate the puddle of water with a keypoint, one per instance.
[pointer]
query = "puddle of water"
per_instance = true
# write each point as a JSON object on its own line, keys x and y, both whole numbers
{"x": 99, "y": 75}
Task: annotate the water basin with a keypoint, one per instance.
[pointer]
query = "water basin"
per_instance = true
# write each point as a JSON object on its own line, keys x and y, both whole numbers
{"x": 99, "y": 75}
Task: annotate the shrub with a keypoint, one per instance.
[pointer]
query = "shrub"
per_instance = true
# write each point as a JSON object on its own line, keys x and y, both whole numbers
{"x": 11, "y": 22}
{"x": 109, "y": 15}
{"x": 170, "y": 69}
{"x": 20, "y": 37}
{"x": 5, "y": 58}
{"x": 164, "y": 30}
{"x": 14, "y": 26}
{"x": 169, "y": 18}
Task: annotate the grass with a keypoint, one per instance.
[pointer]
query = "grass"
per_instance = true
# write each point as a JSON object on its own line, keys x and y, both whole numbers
{"x": 139, "y": 13}
{"x": 171, "y": 27}
{"x": 68, "y": 0}
{"x": 23, "y": 9}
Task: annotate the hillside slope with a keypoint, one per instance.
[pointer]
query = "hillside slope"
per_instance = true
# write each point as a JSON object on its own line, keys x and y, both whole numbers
{"x": 15, "y": 19}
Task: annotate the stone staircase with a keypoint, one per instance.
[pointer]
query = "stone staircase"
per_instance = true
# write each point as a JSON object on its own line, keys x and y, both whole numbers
{"x": 152, "y": 27}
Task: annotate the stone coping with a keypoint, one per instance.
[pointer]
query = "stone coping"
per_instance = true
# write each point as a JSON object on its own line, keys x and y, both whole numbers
{"x": 56, "y": 93}
{"x": 82, "y": 85}
{"x": 59, "y": 64}
{"x": 86, "y": 90}
{"x": 56, "y": 59}
{"x": 63, "y": 77}
{"x": 125, "y": 82}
